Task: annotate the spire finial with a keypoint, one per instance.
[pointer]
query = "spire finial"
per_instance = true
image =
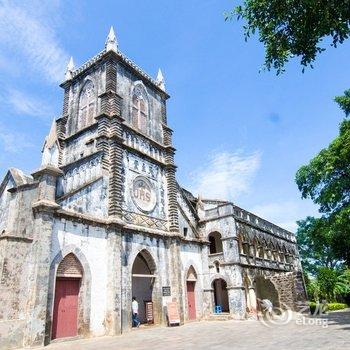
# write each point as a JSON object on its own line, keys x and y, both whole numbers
{"x": 160, "y": 80}
{"x": 70, "y": 69}
{"x": 111, "y": 41}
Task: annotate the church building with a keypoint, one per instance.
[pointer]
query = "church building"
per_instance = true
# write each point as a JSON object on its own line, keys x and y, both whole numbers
{"x": 104, "y": 219}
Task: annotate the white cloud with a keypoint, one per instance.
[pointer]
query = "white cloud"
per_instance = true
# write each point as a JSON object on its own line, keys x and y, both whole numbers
{"x": 285, "y": 214}
{"x": 13, "y": 142}
{"x": 23, "y": 103}
{"x": 26, "y": 29}
{"x": 226, "y": 175}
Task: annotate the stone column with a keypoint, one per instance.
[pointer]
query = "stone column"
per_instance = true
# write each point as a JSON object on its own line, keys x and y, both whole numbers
{"x": 114, "y": 279}
{"x": 237, "y": 302}
{"x": 235, "y": 287}
{"x": 44, "y": 209}
{"x": 110, "y": 140}
{"x": 207, "y": 288}
{"x": 176, "y": 278}
{"x": 170, "y": 172}
{"x": 126, "y": 283}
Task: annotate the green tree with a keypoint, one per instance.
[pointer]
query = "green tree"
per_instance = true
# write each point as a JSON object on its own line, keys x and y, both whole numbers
{"x": 327, "y": 280}
{"x": 312, "y": 287}
{"x": 342, "y": 286}
{"x": 326, "y": 180}
{"x": 290, "y": 28}
{"x": 315, "y": 243}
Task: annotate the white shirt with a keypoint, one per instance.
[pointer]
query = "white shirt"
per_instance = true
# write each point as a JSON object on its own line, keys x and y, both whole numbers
{"x": 135, "y": 307}
{"x": 267, "y": 304}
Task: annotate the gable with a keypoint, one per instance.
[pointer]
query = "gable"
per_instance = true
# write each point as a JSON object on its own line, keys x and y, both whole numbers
{"x": 187, "y": 219}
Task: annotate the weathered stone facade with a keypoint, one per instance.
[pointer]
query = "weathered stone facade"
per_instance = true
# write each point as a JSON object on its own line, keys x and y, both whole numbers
{"x": 105, "y": 212}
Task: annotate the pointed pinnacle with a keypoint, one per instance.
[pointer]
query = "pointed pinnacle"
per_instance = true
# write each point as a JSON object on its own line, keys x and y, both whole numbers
{"x": 69, "y": 69}
{"x": 160, "y": 80}
{"x": 111, "y": 41}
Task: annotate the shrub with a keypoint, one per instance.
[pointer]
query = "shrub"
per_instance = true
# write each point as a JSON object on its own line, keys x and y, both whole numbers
{"x": 336, "y": 306}
{"x": 312, "y": 306}
{"x": 328, "y": 307}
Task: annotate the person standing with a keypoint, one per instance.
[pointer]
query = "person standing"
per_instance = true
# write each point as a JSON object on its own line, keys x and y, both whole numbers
{"x": 267, "y": 306}
{"x": 135, "y": 310}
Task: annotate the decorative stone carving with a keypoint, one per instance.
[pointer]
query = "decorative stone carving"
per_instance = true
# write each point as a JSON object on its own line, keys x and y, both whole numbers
{"x": 143, "y": 220}
{"x": 143, "y": 194}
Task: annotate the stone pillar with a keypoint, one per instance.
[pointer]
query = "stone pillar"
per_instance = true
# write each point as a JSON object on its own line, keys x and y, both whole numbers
{"x": 176, "y": 278}
{"x": 237, "y": 302}
{"x": 110, "y": 139}
{"x": 170, "y": 172}
{"x": 126, "y": 281}
{"x": 235, "y": 287}
{"x": 207, "y": 288}
{"x": 114, "y": 279}
{"x": 38, "y": 282}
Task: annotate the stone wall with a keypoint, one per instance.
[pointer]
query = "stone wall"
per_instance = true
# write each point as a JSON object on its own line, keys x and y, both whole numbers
{"x": 14, "y": 260}
{"x": 90, "y": 243}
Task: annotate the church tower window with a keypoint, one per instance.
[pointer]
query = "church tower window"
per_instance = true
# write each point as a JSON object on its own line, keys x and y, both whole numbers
{"x": 139, "y": 109}
{"x": 86, "y": 105}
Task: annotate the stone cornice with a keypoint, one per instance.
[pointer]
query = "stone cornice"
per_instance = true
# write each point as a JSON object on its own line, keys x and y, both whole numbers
{"x": 24, "y": 187}
{"x": 47, "y": 169}
{"x": 85, "y": 218}
{"x": 264, "y": 230}
{"x": 166, "y": 126}
{"x": 143, "y": 154}
{"x": 45, "y": 205}
{"x": 80, "y": 132}
{"x": 118, "y": 223}
{"x": 16, "y": 238}
{"x": 80, "y": 160}
{"x": 120, "y": 57}
{"x": 71, "y": 193}
{"x": 155, "y": 143}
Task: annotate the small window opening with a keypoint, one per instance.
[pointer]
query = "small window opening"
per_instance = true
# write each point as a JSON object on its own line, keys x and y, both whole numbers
{"x": 185, "y": 231}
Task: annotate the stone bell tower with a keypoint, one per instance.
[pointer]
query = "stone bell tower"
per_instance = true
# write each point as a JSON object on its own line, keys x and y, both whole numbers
{"x": 114, "y": 119}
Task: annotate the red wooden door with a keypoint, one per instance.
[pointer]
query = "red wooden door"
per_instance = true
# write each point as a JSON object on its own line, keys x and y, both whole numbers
{"x": 65, "y": 313}
{"x": 191, "y": 300}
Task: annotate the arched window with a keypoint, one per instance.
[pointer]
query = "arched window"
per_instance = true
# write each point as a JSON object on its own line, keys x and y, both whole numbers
{"x": 215, "y": 243}
{"x": 261, "y": 251}
{"x": 217, "y": 266}
{"x": 86, "y": 105}
{"x": 139, "y": 108}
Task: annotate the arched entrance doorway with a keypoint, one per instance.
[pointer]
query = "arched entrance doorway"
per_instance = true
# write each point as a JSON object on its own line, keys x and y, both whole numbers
{"x": 143, "y": 277}
{"x": 265, "y": 289}
{"x": 191, "y": 296}
{"x": 66, "y": 302}
{"x": 221, "y": 294}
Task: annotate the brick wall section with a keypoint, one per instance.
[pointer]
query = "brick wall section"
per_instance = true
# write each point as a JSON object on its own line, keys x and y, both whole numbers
{"x": 285, "y": 287}
{"x": 290, "y": 287}
{"x": 69, "y": 267}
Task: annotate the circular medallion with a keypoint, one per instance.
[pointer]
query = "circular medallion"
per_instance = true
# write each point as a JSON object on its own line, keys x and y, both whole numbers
{"x": 143, "y": 194}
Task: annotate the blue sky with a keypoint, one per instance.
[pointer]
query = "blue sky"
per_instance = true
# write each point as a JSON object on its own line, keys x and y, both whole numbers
{"x": 239, "y": 134}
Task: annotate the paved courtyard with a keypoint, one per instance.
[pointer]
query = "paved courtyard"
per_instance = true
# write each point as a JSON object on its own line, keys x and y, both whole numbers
{"x": 331, "y": 334}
